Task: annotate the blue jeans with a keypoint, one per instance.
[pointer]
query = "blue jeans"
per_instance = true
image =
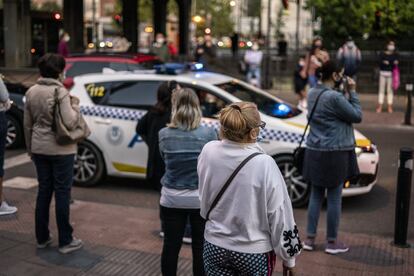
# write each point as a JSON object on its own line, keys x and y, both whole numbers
{"x": 256, "y": 73}
{"x": 3, "y": 140}
{"x": 55, "y": 174}
{"x": 334, "y": 202}
{"x": 312, "y": 80}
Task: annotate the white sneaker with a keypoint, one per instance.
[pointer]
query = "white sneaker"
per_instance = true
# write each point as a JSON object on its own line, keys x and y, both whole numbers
{"x": 5, "y": 209}
{"x": 45, "y": 244}
{"x": 74, "y": 245}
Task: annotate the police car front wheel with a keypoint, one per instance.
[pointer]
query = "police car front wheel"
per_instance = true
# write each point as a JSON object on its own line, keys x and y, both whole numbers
{"x": 89, "y": 166}
{"x": 297, "y": 187}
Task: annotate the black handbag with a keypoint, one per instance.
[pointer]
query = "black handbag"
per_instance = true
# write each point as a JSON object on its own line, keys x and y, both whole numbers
{"x": 299, "y": 152}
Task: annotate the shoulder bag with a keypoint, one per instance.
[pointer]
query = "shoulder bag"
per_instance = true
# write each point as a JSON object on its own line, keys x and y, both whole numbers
{"x": 65, "y": 136}
{"x": 299, "y": 153}
{"x": 229, "y": 180}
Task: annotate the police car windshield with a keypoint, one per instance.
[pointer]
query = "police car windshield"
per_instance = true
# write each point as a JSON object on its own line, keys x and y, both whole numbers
{"x": 265, "y": 104}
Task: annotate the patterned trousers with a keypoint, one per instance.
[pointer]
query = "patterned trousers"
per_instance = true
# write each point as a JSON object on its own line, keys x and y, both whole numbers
{"x": 222, "y": 262}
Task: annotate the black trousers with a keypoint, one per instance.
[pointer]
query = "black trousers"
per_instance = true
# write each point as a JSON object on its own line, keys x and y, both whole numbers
{"x": 55, "y": 174}
{"x": 174, "y": 221}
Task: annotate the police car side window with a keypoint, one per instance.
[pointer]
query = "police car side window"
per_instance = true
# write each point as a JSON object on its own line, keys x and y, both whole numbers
{"x": 210, "y": 103}
{"x": 133, "y": 94}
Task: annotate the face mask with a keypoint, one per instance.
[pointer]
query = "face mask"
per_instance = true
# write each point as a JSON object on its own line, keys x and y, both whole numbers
{"x": 391, "y": 47}
{"x": 160, "y": 40}
{"x": 350, "y": 44}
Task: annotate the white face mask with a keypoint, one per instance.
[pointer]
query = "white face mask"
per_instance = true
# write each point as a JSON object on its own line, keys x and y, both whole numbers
{"x": 66, "y": 38}
{"x": 160, "y": 40}
{"x": 391, "y": 47}
{"x": 350, "y": 44}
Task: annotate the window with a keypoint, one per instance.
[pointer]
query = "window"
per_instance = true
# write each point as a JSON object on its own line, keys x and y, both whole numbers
{"x": 265, "y": 104}
{"x": 81, "y": 68}
{"x": 135, "y": 94}
{"x": 209, "y": 102}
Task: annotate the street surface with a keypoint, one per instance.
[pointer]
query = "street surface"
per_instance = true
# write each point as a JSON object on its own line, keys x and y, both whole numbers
{"x": 372, "y": 213}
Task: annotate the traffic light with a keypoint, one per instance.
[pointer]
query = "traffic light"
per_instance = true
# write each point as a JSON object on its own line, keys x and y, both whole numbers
{"x": 57, "y": 16}
{"x": 377, "y": 22}
{"x": 118, "y": 19}
{"x": 285, "y": 4}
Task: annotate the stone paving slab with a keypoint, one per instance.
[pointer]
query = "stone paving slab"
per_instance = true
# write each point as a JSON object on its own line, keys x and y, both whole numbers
{"x": 122, "y": 240}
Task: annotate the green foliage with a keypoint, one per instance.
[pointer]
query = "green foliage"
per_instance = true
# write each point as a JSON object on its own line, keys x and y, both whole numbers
{"x": 49, "y": 6}
{"x": 144, "y": 9}
{"x": 217, "y": 14}
{"x": 341, "y": 18}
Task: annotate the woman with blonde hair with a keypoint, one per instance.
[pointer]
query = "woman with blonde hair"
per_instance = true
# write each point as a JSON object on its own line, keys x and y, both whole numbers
{"x": 244, "y": 200}
{"x": 180, "y": 145}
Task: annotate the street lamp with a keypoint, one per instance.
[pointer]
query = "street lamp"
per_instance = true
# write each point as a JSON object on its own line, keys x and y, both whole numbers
{"x": 197, "y": 19}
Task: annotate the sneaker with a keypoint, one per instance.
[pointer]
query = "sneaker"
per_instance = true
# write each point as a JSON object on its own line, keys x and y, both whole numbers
{"x": 336, "y": 247}
{"x": 45, "y": 244}
{"x": 74, "y": 245}
{"x": 309, "y": 244}
{"x": 6, "y": 209}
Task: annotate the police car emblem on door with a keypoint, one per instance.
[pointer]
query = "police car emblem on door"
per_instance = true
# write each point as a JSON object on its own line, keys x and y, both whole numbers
{"x": 115, "y": 135}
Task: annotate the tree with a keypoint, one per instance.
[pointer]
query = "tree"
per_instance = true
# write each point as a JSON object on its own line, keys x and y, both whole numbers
{"x": 49, "y": 6}
{"x": 218, "y": 16}
{"x": 341, "y": 18}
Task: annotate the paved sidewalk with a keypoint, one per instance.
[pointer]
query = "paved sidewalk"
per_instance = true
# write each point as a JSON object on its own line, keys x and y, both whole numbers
{"x": 123, "y": 241}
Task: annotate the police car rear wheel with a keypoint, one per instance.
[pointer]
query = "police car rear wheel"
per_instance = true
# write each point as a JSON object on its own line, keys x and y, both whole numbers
{"x": 297, "y": 187}
{"x": 89, "y": 166}
{"x": 14, "y": 133}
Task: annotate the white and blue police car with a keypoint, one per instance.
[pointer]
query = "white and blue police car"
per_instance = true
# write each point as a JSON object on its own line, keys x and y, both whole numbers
{"x": 112, "y": 104}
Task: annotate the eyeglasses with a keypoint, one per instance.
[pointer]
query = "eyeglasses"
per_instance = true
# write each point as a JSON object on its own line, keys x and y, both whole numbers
{"x": 262, "y": 125}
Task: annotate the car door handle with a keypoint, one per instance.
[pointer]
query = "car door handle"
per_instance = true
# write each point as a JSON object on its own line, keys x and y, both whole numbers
{"x": 102, "y": 121}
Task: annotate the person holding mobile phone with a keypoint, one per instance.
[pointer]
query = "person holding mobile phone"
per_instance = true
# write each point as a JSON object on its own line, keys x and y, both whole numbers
{"x": 330, "y": 158}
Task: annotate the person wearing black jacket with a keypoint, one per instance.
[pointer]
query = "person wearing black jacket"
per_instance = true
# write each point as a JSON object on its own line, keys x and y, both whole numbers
{"x": 148, "y": 127}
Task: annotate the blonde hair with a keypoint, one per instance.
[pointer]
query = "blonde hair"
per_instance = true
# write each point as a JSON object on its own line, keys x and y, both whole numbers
{"x": 186, "y": 111}
{"x": 237, "y": 120}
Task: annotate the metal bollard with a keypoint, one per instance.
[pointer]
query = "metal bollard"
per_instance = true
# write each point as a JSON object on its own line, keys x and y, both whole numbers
{"x": 402, "y": 206}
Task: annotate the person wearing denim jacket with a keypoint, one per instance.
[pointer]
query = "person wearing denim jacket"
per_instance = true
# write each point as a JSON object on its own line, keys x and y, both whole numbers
{"x": 180, "y": 145}
{"x": 330, "y": 158}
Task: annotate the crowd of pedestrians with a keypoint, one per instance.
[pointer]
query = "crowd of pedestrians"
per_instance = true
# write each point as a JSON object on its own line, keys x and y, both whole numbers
{"x": 219, "y": 188}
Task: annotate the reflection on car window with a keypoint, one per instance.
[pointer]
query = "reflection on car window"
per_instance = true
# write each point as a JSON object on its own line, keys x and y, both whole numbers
{"x": 210, "y": 104}
{"x": 81, "y": 68}
{"x": 265, "y": 104}
{"x": 136, "y": 94}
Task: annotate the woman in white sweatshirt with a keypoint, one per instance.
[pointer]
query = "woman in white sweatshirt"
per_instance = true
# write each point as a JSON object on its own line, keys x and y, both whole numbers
{"x": 253, "y": 219}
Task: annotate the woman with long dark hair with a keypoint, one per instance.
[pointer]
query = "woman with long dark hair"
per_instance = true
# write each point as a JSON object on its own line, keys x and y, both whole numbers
{"x": 330, "y": 158}
{"x": 148, "y": 127}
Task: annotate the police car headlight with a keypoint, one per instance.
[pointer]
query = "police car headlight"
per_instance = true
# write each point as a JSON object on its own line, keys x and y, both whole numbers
{"x": 367, "y": 149}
